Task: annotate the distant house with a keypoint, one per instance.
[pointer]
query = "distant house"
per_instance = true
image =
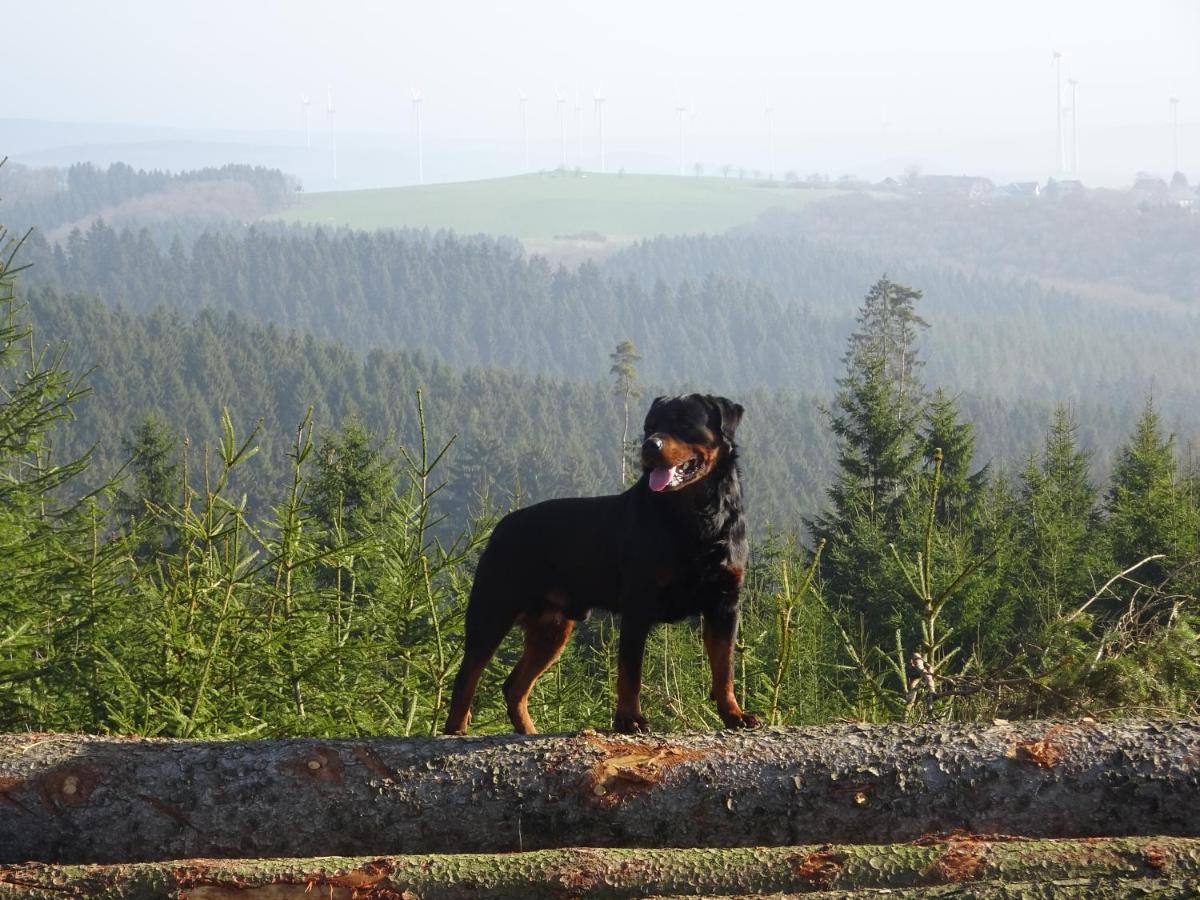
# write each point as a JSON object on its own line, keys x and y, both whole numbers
{"x": 889, "y": 184}
{"x": 969, "y": 187}
{"x": 1150, "y": 185}
{"x": 1020, "y": 189}
{"x": 1065, "y": 188}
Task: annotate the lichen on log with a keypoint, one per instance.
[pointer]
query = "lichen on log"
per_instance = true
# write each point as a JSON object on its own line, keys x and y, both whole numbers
{"x": 73, "y": 799}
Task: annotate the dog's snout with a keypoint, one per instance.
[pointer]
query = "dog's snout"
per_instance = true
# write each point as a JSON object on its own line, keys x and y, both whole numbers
{"x": 654, "y": 444}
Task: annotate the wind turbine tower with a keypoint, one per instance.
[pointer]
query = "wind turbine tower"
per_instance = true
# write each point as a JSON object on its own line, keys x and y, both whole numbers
{"x": 1174, "y": 101}
{"x": 1056, "y": 61}
{"x": 1074, "y": 128}
{"x": 305, "y": 102}
{"x": 525, "y": 127}
{"x": 771, "y": 139}
{"x": 599, "y": 106}
{"x": 332, "y": 131}
{"x": 561, "y": 99}
{"x": 416, "y": 108}
{"x": 682, "y": 111}
{"x": 579, "y": 128}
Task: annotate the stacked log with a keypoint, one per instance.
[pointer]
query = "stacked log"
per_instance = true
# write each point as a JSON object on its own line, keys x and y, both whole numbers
{"x": 715, "y": 808}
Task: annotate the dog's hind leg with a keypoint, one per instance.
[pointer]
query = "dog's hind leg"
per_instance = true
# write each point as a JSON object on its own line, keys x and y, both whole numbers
{"x": 485, "y": 630}
{"x": 545, "y": 638}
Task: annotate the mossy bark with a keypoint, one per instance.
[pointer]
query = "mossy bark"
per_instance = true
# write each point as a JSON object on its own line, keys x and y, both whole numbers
{"x": 1021, "y": 868}
{"x": 75, "y": 799}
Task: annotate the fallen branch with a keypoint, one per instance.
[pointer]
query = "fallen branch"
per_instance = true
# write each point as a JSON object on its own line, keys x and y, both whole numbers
{"x": 1087, "y": 867}
{"x": 1096, "y": 596}
{"x": 72, "y": 799}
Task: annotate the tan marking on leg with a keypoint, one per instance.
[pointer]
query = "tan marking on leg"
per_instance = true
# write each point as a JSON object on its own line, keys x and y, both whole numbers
{"x": 720, "y": 660}
{"x": 544, "y": 643}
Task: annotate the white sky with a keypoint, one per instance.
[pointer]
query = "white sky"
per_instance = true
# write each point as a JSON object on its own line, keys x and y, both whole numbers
{"x": 954, "y": 72}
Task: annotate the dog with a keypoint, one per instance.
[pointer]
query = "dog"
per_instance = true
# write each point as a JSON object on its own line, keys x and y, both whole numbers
{"x": 671, "y": 546}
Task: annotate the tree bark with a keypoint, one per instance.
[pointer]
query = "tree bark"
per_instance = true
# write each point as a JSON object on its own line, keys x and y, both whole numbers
{"x": 1115, "y": 866}
{"x": 70, "y": 799}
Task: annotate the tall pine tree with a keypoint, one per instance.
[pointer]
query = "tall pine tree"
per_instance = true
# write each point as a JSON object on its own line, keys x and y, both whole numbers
{"x": 875, "y": 417}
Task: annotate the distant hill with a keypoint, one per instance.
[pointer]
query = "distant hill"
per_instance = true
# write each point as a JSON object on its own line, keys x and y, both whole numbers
{"x": 559, "y": 211}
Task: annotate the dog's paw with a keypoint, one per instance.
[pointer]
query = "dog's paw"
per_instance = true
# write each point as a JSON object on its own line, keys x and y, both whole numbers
{"x": 743, "y": 720}
{"x": 635, "y": 724}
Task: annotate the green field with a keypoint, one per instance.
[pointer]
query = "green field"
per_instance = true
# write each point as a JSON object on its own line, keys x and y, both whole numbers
{"x": 540, "y": 209}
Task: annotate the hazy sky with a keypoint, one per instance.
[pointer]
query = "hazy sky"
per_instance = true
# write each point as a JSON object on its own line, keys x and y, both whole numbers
{"x": 887, "y": 73}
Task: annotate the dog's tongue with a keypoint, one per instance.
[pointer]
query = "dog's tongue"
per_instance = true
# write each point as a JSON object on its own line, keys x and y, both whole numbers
{"x": 661, "y": 477}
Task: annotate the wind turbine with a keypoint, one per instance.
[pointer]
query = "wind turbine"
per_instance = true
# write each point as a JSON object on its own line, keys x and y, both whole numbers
{"x": 579, "y": 128}
{"x": 770, "y": 111}
{"x": 332, "y": 132}
{"x": 682, "y": 111}
{"x": 416, "y": 108}
{"x": 1174, "y": 101}
{"x": 1056, "y": 61}
{"x": 599, "y": 107}
{"x": 561, "y": 99}
{"x": 1074, "y": 127}
{"x": 305, "y": 102}
{"x": 525, "y": 128}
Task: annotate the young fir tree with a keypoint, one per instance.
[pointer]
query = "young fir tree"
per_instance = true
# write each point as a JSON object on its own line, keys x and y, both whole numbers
{"x": 58, "y": 576}
{"x": 1149, "y": 508}
{"x": 1058, "y": 526}
{"x": 155, "y": 486}
{"x": 961, "y": 489}
{"x": 354, "y": 483}
{"x": 958, "y": 539}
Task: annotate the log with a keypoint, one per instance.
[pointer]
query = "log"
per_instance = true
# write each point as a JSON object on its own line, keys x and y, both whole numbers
{"x": 1115, "y": 866}
{"x": 72, "y": 799}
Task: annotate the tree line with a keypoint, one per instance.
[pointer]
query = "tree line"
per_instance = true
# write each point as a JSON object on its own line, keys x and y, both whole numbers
{"x": 734, "y": 311}
{"x": 49, "y": 198}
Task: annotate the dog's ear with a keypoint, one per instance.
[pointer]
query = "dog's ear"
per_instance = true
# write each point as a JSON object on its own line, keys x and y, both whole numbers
{"x": 654, "y": 405}
{"x": 729, "y": 415}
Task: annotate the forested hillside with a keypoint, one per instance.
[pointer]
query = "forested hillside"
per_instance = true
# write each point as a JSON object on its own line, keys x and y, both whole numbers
{"x": 1142, "y": 240}
{"x": 735, "y": 311}
{"x": 996, "y": 334}
{"x": 55, "y": 200}
{"x": 516, "y": 436}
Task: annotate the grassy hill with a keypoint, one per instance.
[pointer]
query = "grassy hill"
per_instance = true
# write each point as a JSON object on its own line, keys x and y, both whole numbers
{"x": 558, "y": 211}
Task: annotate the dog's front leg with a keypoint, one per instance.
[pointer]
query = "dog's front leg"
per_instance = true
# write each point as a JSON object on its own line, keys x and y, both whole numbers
{"x": 632, "y": 648}
{"x": 720, "y": 629}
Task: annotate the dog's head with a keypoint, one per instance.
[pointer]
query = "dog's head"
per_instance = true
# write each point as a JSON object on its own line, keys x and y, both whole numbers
{"x": 687, "y": 438}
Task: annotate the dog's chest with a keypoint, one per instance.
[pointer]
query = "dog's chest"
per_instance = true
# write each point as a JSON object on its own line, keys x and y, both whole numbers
{"x": 688, "y": 587}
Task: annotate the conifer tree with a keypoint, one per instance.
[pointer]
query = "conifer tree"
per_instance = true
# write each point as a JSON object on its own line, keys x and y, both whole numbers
{"x": 875, "y": 418}
{"x": 156, "y": 483}
{"x": 627, "y": 389}
{"x": 354, "y": 480}
{"x": 1058, "y": 524}
{"x": 1149, "y": 510}
{"x": 961, "y": 489}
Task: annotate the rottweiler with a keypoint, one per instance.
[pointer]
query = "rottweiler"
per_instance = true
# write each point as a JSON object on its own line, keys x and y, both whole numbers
{"x": 673, "y": 545}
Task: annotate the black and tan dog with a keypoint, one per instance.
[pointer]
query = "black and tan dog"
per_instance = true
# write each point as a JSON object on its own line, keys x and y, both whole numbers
{"x": 672, "y": 546}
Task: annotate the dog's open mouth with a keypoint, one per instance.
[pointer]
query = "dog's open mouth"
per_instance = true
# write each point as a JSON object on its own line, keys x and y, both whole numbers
{"x": 664, "y": 478}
